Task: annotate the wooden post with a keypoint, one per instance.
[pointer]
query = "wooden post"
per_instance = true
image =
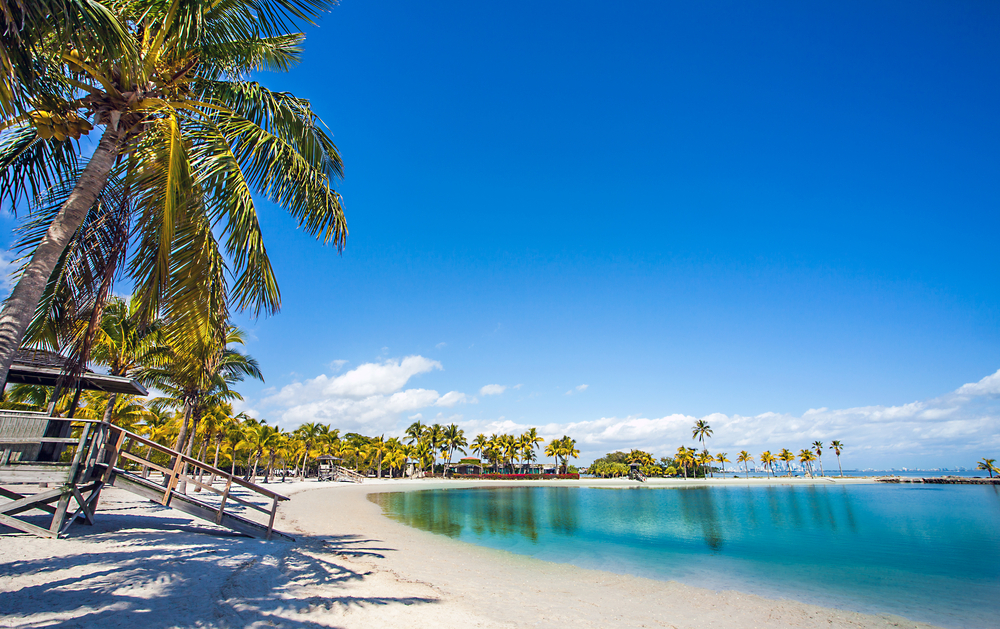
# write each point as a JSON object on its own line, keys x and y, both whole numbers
{"x": 270, "y": 523}
{"x": 172, "y": 481}
{"x": 225, "y": 497}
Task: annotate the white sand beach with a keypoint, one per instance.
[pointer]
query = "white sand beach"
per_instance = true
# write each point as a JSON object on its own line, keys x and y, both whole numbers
{"x": 142, "y": 565}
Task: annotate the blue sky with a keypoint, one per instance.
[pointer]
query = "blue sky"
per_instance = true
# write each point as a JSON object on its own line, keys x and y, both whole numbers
{"x": 713, "y": 209}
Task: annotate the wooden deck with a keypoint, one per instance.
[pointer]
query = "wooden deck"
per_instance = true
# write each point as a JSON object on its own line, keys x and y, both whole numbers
{"x": 104, "y": 454}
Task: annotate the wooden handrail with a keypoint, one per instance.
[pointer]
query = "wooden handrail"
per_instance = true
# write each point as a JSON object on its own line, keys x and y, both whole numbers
{"x": 195, "y": 462}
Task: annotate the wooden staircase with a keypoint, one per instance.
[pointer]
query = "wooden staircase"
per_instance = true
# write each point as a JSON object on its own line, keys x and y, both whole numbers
{"x": 108, "y": 455}
{"x": 343, "y": 474}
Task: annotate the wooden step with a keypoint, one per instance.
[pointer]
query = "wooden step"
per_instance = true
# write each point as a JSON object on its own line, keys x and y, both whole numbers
{"x": 191, "y": 506}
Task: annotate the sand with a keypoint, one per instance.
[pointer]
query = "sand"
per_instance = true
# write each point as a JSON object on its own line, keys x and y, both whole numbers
{"x": 142, "y": 565}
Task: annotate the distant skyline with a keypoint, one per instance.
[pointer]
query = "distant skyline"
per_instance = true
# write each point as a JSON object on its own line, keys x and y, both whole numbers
{"x": 609, "y": 221}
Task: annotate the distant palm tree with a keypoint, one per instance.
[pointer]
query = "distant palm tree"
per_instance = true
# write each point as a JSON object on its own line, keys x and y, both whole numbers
{"x": 454, "y": 439}
{"x": 567, "y": 450}
{"x": 767, "y": 459}
{"x": 818, "y": 448}
{"x": 807, "y": 457}
{"x": 837, "y": 447}
{"x": 685, "y": 457}
{"x": 701, "y": 431}
{"x": 309, "y": 433}
{"x": 989, "y": 465}
{"x": 479, "y": 445}
{"x": 745, "y": 458}
{"x": 787, "y": 456}
{"x": 552, "y": 450}
{"x": 435, "y": 437}
{"x": 415, "y": 431}
{"x": 721, "y": 458}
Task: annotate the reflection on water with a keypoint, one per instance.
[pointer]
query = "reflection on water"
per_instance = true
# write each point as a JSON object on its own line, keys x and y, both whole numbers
{"x": 930, "y": 553}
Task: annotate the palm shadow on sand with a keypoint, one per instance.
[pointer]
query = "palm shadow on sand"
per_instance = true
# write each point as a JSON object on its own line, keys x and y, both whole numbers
{"x": 167, "y": 572}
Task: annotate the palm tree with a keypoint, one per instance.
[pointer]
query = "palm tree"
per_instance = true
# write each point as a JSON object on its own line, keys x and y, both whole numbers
{"x": 787, "y": 456}
{"x": 310, "y": 434}
{"x": 198, "y": 372}
{"x": 552, "y": 450}
{"x": 684, "y": 457}
{"x": 745, "y": 458}
{"x": 187, "y": 143}
{"x": 818, "y": 448}
{"x": 530, "y": 441}
{"x": 567, "y": 450}
{"x": 435, "y": 437}
{"x": 837, "y": 447}
{"x": 807, "y": 457}
{"x": 415, "y": 432}
{"x": 721, "y": 458}
{"x": 454, "y": 439}
{"x": 987, "y": 464}
{"x": 701, "y": 431}
{"x": 124, "y": 345}
{"x": 704, "y": 458}
{"x": 767, "y": 459}
{"x": 480, "y": 445}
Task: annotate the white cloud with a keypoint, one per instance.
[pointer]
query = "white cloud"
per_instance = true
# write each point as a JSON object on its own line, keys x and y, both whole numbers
{"x": 7, "y": 269}
{"x": 580, "y": 388}
{"x": 990, "y": 385}
{"x": 441, "y": 345}
{"x": 452, "y": 398}
{"x": 492, "y": 389}
{"x": 368, "y": 397}
{"x": 337, "y": 365}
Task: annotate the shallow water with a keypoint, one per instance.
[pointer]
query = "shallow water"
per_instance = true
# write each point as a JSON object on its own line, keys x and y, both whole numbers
{"x": 928, "y": 553}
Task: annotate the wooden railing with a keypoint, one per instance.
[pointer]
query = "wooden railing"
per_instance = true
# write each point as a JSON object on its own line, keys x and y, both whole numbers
{"x": 351, "y": 475}
{"x": 187, "y": 470}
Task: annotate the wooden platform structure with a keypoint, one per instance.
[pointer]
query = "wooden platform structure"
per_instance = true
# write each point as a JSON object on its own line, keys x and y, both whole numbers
{"x": 37, "y": 449}
{"x": 106, "y": 455}
{"x": 328, "y": 470}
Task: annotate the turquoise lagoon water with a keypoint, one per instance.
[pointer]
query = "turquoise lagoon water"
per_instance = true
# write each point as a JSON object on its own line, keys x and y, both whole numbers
{"x": 928, "y": 553}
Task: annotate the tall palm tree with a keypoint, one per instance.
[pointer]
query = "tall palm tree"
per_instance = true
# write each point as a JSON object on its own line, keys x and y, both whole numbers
{"x": 531, "y": 441}
{"x": 787, "y": 456}
{"x": 745, "y": 458}
{"x": 480, "y": 445}
{"x": 701, "y": 431}
{"x": 435, "y": 437}
{"x": 767, "y": 459}
{"x": 187, "y": 143}
{"x": 818, "y": 448}
{"x": 837, "y": 448}
{"x": 454, "y": 439}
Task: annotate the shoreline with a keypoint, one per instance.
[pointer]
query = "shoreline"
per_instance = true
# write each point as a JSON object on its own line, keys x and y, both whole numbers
{"x": 353, "y": 567}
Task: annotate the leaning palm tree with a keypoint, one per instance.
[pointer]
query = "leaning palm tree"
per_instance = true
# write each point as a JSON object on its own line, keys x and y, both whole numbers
{"x": 187, "y": 142}
{"x": 987, "y": 464}
{"x": 745, "y": 458}
{"x": 701, "y": 431}
{"x": 837, "y": 447}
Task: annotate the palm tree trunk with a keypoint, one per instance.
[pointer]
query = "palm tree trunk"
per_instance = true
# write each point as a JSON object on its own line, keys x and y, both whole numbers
{"x": 19, "y": 308}
{"x": 215, "y": 461}
{"x": 840, "y": 468}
